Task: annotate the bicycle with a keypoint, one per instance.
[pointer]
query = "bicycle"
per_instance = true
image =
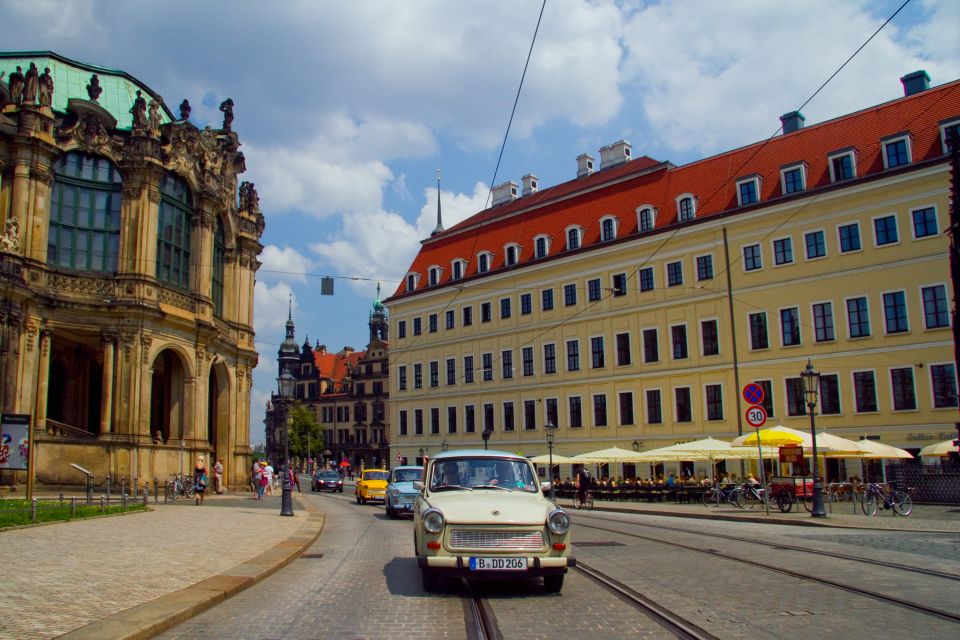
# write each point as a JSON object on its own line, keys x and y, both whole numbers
{"x": 583, "y": 503}
{"x": 749, "y": 496}
{"x": 716, "y": 495}
{"x": 181, "y": 485}
{"x": 874, "y": 494}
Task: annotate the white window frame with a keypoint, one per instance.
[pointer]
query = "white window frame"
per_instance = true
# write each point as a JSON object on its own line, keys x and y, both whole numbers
{"x": 802, "y": 166}
{"x": 923, "y": 308}
{"x": 826, "y": 248}
{"x": 546, "y": 242}
{"x": 567, "y": 409}
{"x": 615, "y": 221}
{"x": 813, "y": 320}
{"x": 943, "y": 132}
{"x": 603, "y": 339}
{"x": 906, "y": 306}
{"x": 646, "y": 412}
{"x": 415, "y": 280}
{"x": 913, "y": 228}
{"x": 896, "y": 138}
{"x": 956, "y": 382}
{"x": 593, "y": 410}
{"x": 700, "y": 322}
{"x": 546, "y": 402}
{"x": 873, "y": 228}
{"x": 489, "y": 256}
{"x": 653, "y": 217}
{"x": 670, "y": 340}
{"x": 853, "y": 391}
{"x": 633, "y": 401}
{"x": 506, "y": 254}
{"x": 846, "y": 317}
{"x": 749, "y": 325}
{"x": 693, "y": 206}
{"x": 435, "y": 274}
{"x": 755, "y": 178}
{"x": 703, "y": 396}
{"x": 840, "y": 250}
{"x": 696, "y": 268}
{"x": 666, "y": 274}
{"x": 463, "y": 268}
{"x": 578, "y": 230}
{"x": 780, "y": 326}
{"x": 840, "y": 393}
{"x": 773, "y": 251}
{"x": 743, "y": 262}
{"x": 916, "y": 390}
{"x": 839, "y": 154}
{"x": 673, "y": 397}
{"x": 642, "y": 345}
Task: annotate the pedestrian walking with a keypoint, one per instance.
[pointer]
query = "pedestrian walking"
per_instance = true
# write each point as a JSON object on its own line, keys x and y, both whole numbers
{"x": 294, "y": 479}
{"x": 200, "y": 479}
{"x": 268, "y": 474}
{"x": 218, "y": 476}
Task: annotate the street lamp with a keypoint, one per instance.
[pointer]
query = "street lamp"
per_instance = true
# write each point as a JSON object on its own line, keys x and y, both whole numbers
{"x": 636, "y": 445}
{"x": 486, "y": 436}
{"x": 811, "y": 385}
{"x": 421, "y": 451}
{"x": 286, "y": 383}
{"x": 551, "y": 432}
{"x": 444, "y": 445}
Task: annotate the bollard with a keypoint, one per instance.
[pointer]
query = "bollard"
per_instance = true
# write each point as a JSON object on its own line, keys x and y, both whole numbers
{"x": 123, "y": 501}
{"x": 89, "y": 490}
{"x": 108, "y": 487}
{"x": 33, "y": 510}
{"x": 73, "y": 505}
{"x": 103, "y": 500}
{"x": 156, "y": 491}
{"x": 61, "y": 497}
{"x": 146, "y": 496}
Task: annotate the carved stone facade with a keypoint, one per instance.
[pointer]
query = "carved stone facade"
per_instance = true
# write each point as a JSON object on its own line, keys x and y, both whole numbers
{"x": 131, "y": 352}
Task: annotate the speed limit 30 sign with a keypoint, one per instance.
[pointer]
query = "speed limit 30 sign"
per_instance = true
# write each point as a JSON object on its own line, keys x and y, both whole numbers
{"x": 756, "y": 416}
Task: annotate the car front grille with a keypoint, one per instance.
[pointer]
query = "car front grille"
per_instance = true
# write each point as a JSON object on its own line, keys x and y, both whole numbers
{"x": 494, "y": 539}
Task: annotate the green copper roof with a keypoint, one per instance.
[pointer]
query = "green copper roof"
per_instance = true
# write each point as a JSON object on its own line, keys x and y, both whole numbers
{"x": 70, "y": 80}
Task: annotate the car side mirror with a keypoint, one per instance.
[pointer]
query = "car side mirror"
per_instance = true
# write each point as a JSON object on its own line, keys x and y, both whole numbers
{"x": 546, "y": 486}
{"x": 418, "y": 485}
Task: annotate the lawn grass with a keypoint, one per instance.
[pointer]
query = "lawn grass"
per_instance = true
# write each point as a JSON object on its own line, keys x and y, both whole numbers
{"x": 16, "y": 512}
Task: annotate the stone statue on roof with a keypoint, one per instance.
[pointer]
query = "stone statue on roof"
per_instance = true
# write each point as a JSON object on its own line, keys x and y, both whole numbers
{"x": 227, "y": 108}
{"x": 93, "y": 88}
{"x": 10, "y": 239}
{"x": 153, "y": 119}
{"x": 31, "y": 80}
{"x": 15, "y": 84}
{"x": 139, "y": 111}
{"x": 45, "y": 91}
{"x": 185, "y": 109}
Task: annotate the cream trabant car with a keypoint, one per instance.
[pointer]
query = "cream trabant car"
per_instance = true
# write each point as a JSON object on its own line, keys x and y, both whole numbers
{"x": 483, "y": 514}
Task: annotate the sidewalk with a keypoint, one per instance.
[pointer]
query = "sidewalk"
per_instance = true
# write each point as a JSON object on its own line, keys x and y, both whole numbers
{"x": 131, "y": 576}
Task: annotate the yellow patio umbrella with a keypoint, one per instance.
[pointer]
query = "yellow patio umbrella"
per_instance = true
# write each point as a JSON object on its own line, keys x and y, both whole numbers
{"x": 878, "y": 450}
{"x": 837, "y": 447}
{"x": 777, "y": 436}
{"x": 557, "y": 459}
{"x": 939, "y": 450}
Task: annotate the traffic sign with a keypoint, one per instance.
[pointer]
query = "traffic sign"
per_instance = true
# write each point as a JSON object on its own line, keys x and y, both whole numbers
{"x": 756, "y": 416}
{"x": 753, "y": 393}
{"x": 399, "y": 458}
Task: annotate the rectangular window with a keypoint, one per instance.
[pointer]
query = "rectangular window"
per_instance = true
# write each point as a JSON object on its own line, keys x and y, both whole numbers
{"x": 487, "y": 367}
{"x": 451, "y": 419}
{"x": 885, "y": 230}
{"x": 569, "y": 295}
{"x": 943, "y": 378}
{"x": 767, "y": 404}
{"x": 488, "y": 425}
{"x": 704, "y": 267}
{"x": 654, "y": 410}
{"x": 451, "y": 371}
{"x": 450, "y": 321}
{"x": 829, "y": 394}
{"x": 790, "y": 326}
{"x": 936, "y": 313}
{"x": 418, "y": 422}
{"x": 527, "y": 356}
{"x": 432, "y": 323}
{"x": 904, "y": 393}
{"x": 895, "y": 312}
{"x": 865, "y": 391}
{"x": 626, "y": 407}
{"x": 467, "y": 316}
{"x": 678, "y": 340}
{"x": 597, "y": 358}
{"x": 402, "y": 378}
{"x": 674, "y": 274}
{"x": 508, "y": 416}
{"x": 403, "y": 422}
{"x": 896, "y": 153}
{"x": 783, "y": 251}
{"x": 816, "y": 244}
{"x": 823, "y": 321}
{"x": 714, "y": 393}
{"x": 684, "y": 408}
{"x": 842, "y": 168}
{"x": 576, "y": 411}
{"x": 402, "y": 329}
{"x": 526, "y": 304}
{"x": 469, "y": 419}
{"x": 849, "y": 237}
{"x": 646, "y": 279}
{"x": 593, "y": 289}
{"x": 546, "y": 298}
{"x": 434, "y": 374}
{"x": 796, "y": 402}
{"x": 552, "y": 416}
{"x": 651, "y": 346}
{"x": 549, "y": 358}
{"x": 752, "y": 257}
{"x": 792, "y": 180}
{"x": 709, "y": 336}
{"x": 623, "y": 349}
{"x": 619, "y": 281}
{"x": 468, "y": 369}
{"x": 506, "y": 363}
{"x": 418, "y": 376}
{"x": 600, "y": 410}
{"x": 486, "y": 312}
{"x": 505, "y": 309}
{"x": 529, "y": 415}
{"x": 924, "y": 222}
{"x": 417, "y": 326}
{"x": 858, "y": 317}
{"x": 759, "y": 339}
{"x": 573, "y": 355}
{"x": 747, "y": 191}
{"x": 434, "y": 420}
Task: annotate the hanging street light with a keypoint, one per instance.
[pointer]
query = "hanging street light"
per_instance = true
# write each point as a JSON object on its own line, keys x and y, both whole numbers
{"x": 811, "y": 388}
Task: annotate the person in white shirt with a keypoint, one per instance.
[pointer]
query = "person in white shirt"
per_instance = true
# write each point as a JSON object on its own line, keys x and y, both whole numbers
{"x": 268, "y": 471}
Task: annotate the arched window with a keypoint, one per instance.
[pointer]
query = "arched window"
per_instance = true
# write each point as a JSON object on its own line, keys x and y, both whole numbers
{"x": 542, "y": 245}
{"x": 84, "y": 232}
{"x": 219, "y": 253}
{"x": 686, "y": 208}
{"x": 173, "y": 232}
{"x": 413, "y": 279}
{"x": 459, "y": 268}
{"x": 646, "y": 219}
{"x": 511, "y": 252}
{"x": 433, "y": 276}
{"x": 483, "y": 262}
{"x": 573, "y": 238}
{"x": 608, "y": 229}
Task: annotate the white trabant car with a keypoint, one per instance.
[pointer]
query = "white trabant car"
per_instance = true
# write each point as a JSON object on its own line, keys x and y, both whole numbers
{"x": 483, "y": 515}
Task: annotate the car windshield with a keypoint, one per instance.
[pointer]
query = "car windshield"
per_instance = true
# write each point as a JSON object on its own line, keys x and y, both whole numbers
{"x": 507, "y": 474}
{"x": 376, "y": 475}
{"x": 329, "y": 475}
{"x": 406, "y": 475}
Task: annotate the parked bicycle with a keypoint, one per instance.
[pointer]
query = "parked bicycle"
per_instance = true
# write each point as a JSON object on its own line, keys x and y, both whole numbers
{"x": 181, "y": 486}
{"x": 875, "y": 495}
{"x": 717, "y": 495}
{"x": 585, "y": 502}
{"x": 750, "y": 495}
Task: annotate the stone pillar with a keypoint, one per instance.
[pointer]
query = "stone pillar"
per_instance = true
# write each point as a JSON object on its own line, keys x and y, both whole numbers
{"x": 106, "y": 398}
{"x": 43, "y": 378}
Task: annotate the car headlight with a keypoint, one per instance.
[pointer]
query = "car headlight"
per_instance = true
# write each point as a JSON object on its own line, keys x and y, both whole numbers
{"x": 395, "y": 492}
{"x": 558, "y": 521}
{"x": 433, "y": 521}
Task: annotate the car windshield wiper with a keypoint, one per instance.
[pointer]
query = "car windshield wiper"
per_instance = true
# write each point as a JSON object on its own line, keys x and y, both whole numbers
{"x": 448, "y": 487}
{"x": 491, "y": 486}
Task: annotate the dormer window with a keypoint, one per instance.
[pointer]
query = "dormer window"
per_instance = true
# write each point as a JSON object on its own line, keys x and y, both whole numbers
{"x": 459, "y": 268}
{"x": 541, "y": 245}
{"x": 946, "y": 129}
{"x": 483, "y": 261}
{"x": 686, "y": 207}
{"x": 896, "y": 151}
{"x": 843, "y": 165}
{"x": 574, "y": 237}
{"x": 413, "y": 279}
{"x": 511, "y": 254}
{"x": 793, "y": 178}
{"x": 646, "y": 218}
{"x": 748, "y": 190}
{"x": 433, "y": 275}
{"x": 608, "y": 228}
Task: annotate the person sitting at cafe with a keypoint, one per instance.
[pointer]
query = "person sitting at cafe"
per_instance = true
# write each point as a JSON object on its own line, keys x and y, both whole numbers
{"x": 752, "y": 480}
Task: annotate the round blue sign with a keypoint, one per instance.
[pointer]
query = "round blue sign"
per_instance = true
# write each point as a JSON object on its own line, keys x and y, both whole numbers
{"x": 753, "y": 393}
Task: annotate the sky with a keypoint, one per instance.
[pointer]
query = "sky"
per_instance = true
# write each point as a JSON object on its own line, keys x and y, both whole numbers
{"x": 346, "y": 111}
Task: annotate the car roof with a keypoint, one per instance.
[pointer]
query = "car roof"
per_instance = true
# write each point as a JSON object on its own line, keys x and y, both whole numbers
{"x": 477, "y": 453}
{"x": 411, "y": 466}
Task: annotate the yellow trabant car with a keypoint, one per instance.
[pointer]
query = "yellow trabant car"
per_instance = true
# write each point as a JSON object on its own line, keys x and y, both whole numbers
{"x": 372, "y": 485}
{"x": 484, "y": 515}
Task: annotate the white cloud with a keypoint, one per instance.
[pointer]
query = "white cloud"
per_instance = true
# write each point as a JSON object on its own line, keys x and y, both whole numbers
{"x": 456, "y": 207}
{"x": 283, "y": 264}
{"x": 270, "y": 307}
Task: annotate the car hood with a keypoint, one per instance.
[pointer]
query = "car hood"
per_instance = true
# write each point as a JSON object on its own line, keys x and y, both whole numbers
{"x": 374, "y": 484}
{"x": 492, "y": 507}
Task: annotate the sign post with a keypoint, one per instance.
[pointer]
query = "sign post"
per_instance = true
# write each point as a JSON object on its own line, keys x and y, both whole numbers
{"x": 756, "y": 417}
{"x": 16, "y": 445}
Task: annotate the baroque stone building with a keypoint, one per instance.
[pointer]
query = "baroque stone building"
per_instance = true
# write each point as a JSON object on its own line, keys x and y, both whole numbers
{"x": 126, "y": 276}
{"x": 347, "y": 391}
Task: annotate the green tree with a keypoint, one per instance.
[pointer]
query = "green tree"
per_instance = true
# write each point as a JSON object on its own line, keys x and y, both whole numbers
{"x": 304, "y": 431}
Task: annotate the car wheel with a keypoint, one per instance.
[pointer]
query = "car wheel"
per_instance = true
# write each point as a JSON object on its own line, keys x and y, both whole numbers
{"x": 391, "y": 513}
{"x": 431, "y": 582}
{"x": 553, "y": 584}
{"x": 341, "y": 489}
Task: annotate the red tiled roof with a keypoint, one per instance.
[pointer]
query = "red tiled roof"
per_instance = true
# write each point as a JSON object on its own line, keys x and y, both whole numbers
{"x": 621, "y": 190}
{"x": 334, "y": 365}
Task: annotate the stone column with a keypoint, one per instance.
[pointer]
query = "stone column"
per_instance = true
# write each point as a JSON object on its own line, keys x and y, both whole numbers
{"x": 106, "y": 398}
{"x": 43, "y": 378}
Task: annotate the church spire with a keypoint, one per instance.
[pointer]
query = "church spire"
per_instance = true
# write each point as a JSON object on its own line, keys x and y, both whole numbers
{"x": 439, "y": 227}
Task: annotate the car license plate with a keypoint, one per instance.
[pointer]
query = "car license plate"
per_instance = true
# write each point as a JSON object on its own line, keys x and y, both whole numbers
{"x": 498, "y": 564}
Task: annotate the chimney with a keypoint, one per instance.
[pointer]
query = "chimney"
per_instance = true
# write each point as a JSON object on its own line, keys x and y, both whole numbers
{"x": 614, "y": 154}
{"x": 529, "y": 182}
{"x": 504, "y": 193}
{"x": 915, "y": 82}
{"x": 584, "y": 165}
{"x": 792, "y": 121}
